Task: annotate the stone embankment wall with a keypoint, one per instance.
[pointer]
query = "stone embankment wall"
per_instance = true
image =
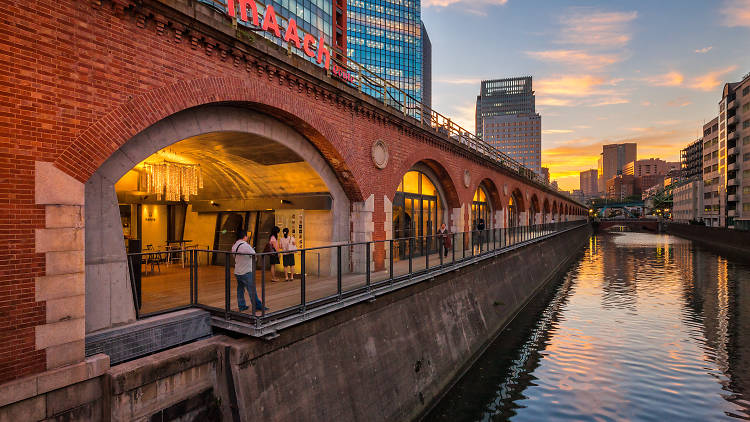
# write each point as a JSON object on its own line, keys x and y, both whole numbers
{"x": 387, "y": 360}
{"x": 734, "y": 242}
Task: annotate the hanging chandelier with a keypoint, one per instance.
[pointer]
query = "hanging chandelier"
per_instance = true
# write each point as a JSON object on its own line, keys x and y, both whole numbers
{"x": 174, "y": 181}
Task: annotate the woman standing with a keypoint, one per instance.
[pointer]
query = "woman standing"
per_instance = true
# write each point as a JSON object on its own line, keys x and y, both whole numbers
{"x": 288, "y": 244}
{"x": 445, "y": 237}
{"x": 273, "y": 243}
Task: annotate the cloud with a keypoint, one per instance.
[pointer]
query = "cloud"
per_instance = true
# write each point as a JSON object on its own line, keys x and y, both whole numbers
{"x": 471, "y": 6}
{"x": 679, "y": 102}
{"x": 735, "y": 13}
{"x": 704, "y": 50}
{"x": 459, "y": 81}
{"x": 672, "y": 78}
{"x": 645, "y": 103}
{"x": 710, "y": 80}
{"x": 582, "y": 127}
{"x": 555, "y": 131}
{"x": 576, "y": 58}
{"x": 578, "y": 90}
{"x": 585, "y": 26}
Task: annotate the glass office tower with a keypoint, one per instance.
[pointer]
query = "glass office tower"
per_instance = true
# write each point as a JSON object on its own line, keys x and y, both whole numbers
{"x": 386, "y": 38}
{"x": 326, "y": 17}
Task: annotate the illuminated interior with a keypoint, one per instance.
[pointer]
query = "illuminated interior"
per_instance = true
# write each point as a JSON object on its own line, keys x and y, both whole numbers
{"x": 480, "y": 208}
{"x": 417, "y": 211}
{"x": 199, "y": 191}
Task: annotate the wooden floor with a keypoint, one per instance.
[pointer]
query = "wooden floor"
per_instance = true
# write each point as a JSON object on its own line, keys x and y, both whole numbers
{"x": 168, "y": 286}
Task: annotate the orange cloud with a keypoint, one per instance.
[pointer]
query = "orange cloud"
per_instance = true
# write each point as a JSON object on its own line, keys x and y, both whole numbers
{"x": 668, "y": 79}
{"x": 577, "y": 58}
{"x": 704, "y": 50}
{"x": 711, "y": 80}
{"x": 597, "y": 29}
{"x": 736, "y": 13}
{"x": 679, "y": 102}
{"x": 569, "y": 86}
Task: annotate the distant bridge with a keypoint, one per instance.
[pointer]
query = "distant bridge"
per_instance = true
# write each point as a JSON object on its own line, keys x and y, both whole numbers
{"x": 631, "y": 224}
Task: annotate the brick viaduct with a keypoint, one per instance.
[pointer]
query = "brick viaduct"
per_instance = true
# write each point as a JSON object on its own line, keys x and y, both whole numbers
{"x": 81, "y": 78}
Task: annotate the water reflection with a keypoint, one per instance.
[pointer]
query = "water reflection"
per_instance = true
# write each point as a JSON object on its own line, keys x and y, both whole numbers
{"x": 644, "y": 327}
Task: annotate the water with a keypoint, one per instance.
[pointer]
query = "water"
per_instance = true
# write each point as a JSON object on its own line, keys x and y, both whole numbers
{"x": 644, "y": 327}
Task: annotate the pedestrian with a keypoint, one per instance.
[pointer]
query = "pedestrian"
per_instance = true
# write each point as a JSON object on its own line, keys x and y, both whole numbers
{"x": 445, "y": 237}
{"x": 244, "y": 272}
{"x": 480, "y": 228}
{"x": 273, "y": 247}
{"x": 288, "y": 244}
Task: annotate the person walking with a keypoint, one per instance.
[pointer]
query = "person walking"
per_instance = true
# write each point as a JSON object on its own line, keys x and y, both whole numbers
{"x": 244, "y": 272}
{"x": 288, "y": 244}
{"x": 480, "y": 229}
{"x": 273, "y": 246}
{"x": 445, "y": 238}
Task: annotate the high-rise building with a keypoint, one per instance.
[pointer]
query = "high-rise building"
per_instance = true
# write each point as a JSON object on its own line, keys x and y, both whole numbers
{"x": 426, "y": 68}
{"x": 649, "y": 167}
{"x": 506, "y": 118}
{"x": 734, "y": 146}
{"x": 612, "y": 160}
{"x": 386, "y": 38}
{"x": 691, "y": 161}
{"x": 320, "y": 18}
{"x": 714, "y": 183}
{"x": 588, "y": 183}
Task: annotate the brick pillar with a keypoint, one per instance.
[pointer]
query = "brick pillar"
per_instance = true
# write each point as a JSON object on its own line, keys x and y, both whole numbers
{"x": 382, "y": 252}
{"x": 499, "y": 219}
{"x": 363, "y": 227}
{"x": 62, "y": 287}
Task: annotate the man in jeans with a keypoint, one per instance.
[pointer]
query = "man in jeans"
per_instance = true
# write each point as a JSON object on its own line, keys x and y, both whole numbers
{"x": 244, "y": 271}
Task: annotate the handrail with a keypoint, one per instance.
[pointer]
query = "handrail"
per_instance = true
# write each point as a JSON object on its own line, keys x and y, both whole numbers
{"x": 375, "y": 86}
{"x": 353, "y": 272}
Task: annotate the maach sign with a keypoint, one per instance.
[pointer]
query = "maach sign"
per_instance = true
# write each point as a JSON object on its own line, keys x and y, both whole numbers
{"x": 291, "y": 35}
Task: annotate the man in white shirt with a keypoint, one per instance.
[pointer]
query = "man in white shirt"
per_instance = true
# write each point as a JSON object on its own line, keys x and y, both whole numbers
{"x": 244, "y": 271}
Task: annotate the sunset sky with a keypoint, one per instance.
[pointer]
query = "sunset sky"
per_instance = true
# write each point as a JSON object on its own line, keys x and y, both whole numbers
{"x": 646, "y": 71}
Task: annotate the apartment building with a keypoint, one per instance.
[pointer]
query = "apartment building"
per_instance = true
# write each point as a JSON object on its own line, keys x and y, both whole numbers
{"x": 714, "y": 178}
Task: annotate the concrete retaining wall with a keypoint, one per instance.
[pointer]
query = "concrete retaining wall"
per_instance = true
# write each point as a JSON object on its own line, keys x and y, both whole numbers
{"x": 734, "y": 242}
{"x": 382, "y": 361}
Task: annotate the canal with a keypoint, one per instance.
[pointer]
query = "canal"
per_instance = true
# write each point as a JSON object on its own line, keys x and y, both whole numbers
{"x": 643, "y": 327}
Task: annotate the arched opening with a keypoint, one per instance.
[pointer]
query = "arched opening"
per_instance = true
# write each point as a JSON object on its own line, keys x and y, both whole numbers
{"x": 190, "y": 182}
{"x": 418, "y": 211}
{"x": 545, "y": 211}
{"x": 534, "y": 210}
{"x": 515, "y": 209}
{"x": 481, "y": 210}
{"x": 555, "y": 212}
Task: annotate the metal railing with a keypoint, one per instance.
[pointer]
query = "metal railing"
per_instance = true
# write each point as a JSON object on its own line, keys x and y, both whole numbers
{"x": 338, "y": 276}
{"x": 371, "y": 83}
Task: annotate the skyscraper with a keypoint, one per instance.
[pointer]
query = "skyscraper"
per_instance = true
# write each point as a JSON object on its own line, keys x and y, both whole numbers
{"x": 506, "y": 118}
{"x": 612, "y": 160}
{"x": 589, "y": 183}
{"x": 426, "y": 68}
{"x": 386, "y": 38}
{"x": 320, "y": 18}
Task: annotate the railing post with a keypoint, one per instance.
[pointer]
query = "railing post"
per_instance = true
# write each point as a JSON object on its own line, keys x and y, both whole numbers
{"x": 262, "y": 290}
{"x": 390, "y": 258}
{"x": 227, "y": 297}
{"x": 367, "y": 256}
{"x": 463, "y": 245}
{"x": 338, "y": 270}
{"x": 427, "y": 255}
{"x": 441, "y": 249}
{"x": 303, "y": 280}
{"x": 191, "y": 271}
{"x": 453, "y": 248}
{"x": 411, "y": 248}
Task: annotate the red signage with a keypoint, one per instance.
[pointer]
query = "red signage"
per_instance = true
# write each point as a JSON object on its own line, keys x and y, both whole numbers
{"x": 291, "y": 35}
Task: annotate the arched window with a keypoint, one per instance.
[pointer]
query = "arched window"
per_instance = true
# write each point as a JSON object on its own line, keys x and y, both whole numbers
{"x": 417, "y": 212}
{"x": 480, "y": 209}
{"x": 513, "y": 214}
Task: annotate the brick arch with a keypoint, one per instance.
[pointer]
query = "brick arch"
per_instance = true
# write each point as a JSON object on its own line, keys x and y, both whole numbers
{"x": 100, "y": 140}
{"x": 496, "y": 199}
{"x": 452, "y": 200}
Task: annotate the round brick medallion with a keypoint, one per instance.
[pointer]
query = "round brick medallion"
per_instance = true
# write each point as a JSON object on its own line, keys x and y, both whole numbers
{"x": 380, "y": 154}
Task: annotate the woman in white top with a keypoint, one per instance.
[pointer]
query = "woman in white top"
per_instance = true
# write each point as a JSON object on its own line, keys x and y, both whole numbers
{"x": 288, "y": 244}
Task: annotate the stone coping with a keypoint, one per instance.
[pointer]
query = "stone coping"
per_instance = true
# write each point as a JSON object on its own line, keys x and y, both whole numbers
{"x": 37, "y": 384}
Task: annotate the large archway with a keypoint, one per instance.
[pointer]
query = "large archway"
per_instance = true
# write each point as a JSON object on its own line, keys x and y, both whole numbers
{"x": 257, "y": 172}
{"x": 516, "y": 209}
{"x": 419, "y": 209}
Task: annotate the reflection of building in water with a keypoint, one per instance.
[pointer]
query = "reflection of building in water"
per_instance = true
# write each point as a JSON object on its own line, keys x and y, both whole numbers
{"x": 619, "y": 281}
{"x": 716, "y": 291}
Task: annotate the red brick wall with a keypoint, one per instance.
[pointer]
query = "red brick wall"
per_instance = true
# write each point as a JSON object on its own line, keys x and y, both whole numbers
{"x": 80, "y": 78}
